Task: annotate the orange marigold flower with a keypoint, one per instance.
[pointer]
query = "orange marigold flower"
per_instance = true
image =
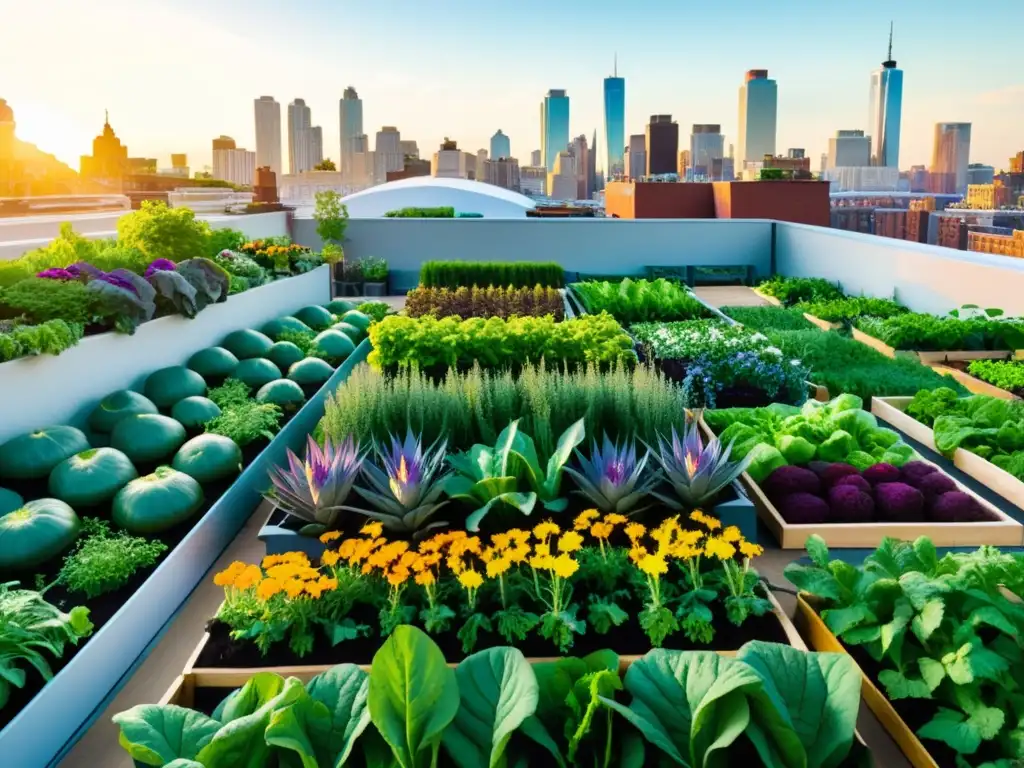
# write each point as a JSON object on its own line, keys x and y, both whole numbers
{"x": 398, "y": 576}
{"x": 637, "y": 553}
{"x": 584, "y": 519}
{"x": 615, "y": 518}
{"x": 268, "y": 588}
{"x": 635, "y": 531}
{"x": 601, "y": 530}
{"x": 227, "y": 577}
{"x": 749, "y": 549}
{"x": 348, "y": 546}
{"x": 250, "y": 577}
{"x": 330, "y": 557}
{"x": 293, "y": 588}
{"x": 455, "y": 564}
{"x": 470, "y": 579}
{"x": 425, "y": 578}
{"x": 330, "y": 536}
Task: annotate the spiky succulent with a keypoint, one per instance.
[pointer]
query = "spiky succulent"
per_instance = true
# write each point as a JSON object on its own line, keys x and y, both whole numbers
{"x": 404, "y": 484}
{"x": 612, "y": 479}
{"x": 315, "y": 490}
{"x": 696, "y": 472}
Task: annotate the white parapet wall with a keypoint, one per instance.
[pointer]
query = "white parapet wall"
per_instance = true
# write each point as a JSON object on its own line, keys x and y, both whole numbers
{"x": 46, "y": 390}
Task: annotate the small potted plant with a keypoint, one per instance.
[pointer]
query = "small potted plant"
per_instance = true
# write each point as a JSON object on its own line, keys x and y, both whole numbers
{"x": 375, "y": 276}
{"x": 351, "y": 283}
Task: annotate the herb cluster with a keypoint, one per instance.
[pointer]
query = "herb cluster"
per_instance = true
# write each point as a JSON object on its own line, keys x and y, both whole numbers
{"x": 766, "y": 319}
{"x": 510, "y": 274}
{"x": 637, "y": 301}
{"x": 104, "y": 561}
{"x": 485, "y": 302}
{"x": 851, "y": 308}
{"x": 794, "y": 290}
{"x": 1005, "y": 374}
{"x": 928, "y": 333}
{"x": 47, "y": 338}
{"x": 242, "y": 418}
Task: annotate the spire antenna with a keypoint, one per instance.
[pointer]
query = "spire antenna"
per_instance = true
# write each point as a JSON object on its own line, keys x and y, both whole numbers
{"x": 889, "y": 57}
{"x": 106, "y": 116}
{"x": 616, "y": 70}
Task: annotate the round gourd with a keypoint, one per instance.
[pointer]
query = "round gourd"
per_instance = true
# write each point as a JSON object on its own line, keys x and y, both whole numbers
{"x": 169, "y": 385}
{"x": 333, "y": 346}
{"x": 354, "y": 333}
{"x": 282, "y": 392}
{"x": 213, "y": 363}
{"x": 147, "y": 438}
{"x": 91, "y": 477}
{"x": 339, "y": 306}
{"x": 311, "y": 371}
{"x": 209, "y": 457}
{"x": 275, "y": 328}
{"x": 193, "y": 412}
{"x": 284, "y": 355}
{"x": 9, "y": 501}
{"x": 34, "y": 455}
{"x": 157, "y": 502}
{"x": 357, "y": 318}
{"x": 257, "y": 372}
{"x": 247, "y": 344}
{"x": 315, "y": 317}
{"x": 115, "y": 407}
{"x": 35, "y": 533}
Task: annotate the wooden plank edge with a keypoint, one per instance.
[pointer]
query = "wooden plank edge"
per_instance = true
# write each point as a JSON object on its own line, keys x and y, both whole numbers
{"x": 973, "y": 384}
{"x": 824, "y": 325}
{"x": 770, "y": 299}
{"x": 876, "y": 344}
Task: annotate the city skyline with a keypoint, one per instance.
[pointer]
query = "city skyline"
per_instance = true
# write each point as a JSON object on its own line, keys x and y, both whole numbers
{"x": 949, "y": 77}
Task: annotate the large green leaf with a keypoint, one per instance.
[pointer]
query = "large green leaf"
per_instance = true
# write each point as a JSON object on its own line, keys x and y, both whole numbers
{"x": 156, "y": 735}
{"x": 257, "y": 691}
{"x": 303, "y": 728}
{"x": 524, "y": 450}
{"x": 413, "y": 695}
{"x": 567, "y": 443}
{"x": 586, "y": 699}
{"x": 524, "y": 502}
{"x": 819, "y": 696}
{"x": 498, "y": 691}
{"x": 503, "y": 448}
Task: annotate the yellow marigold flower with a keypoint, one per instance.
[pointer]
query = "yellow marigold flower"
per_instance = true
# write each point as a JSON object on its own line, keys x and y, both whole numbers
{"x": 519, "y": 554}
{"x": 749, "y": 549}
{"x": 545, "y": 529}
{"x": 348, "y": 546}
{"x": 250, "y": 577}
{"x": 653, "y": 565}
{"x": 488, "y": 554}
{"x": 601, "y": 530}
{"x": 293, "y": 588}
{"x": 298, "y": 558}
{"x": 431, "y": 559}
{"x": 268, "y": 588}
{"x": 330, "y": 536}
{"x": 637, "y": 553}
{"x": 408, "y": 558}
{"x": 570, "y": 541}
{"x": 227, "y": 577}
{"x": 713, "y": 523}
{"x": 565, "y": 566}
{"x": 283, "y": 572}
{"x": 723, "y": 550}
{"x": 542, "y": 562}
{"x": 314, "y": 589}
{"x": 500, "y": 542}
{"x": 425, "y": 578}
{"x": 585, "y": 518}
{"x": 635, "y": 531}
{"x": 732, "y": 534}
{"x": 328, "y": 583}
{"x": 542, "y": 549}
{"x": 616, "y": 519}
{"x": 366, "y": 569}
{"x": 697, "y": 516}
{"x": 455, "y": 564}
{"x": 520, "y": 537}
{"x": 497, "y": 567}
{"x": 398, "y": 576}
{"x": 470, "y": 579}
{"x": 270, "y": 561}
{"x": 330, "y": 557}
{"x": 462, "y": 546}
{"x": 687, "y": 551}
{"x": 372, "y": 529}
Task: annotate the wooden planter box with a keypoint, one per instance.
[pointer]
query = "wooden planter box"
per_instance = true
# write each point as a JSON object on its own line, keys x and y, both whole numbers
{"x": 893, "y": 411}
{"x": 824, "y": 325}
{"x": 821, "y": 638}
{"x": 1003, "y": 531}
{"x": 930, "y": 358}
{"x": 770, "y": 299}
{"x": 973, "y": 384}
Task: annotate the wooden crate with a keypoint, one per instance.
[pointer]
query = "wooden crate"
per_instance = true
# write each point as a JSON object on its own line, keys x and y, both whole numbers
{"x": 893, "y": 411}
{"x": 820, "y": 638}
{"x": 1003, "y": 531}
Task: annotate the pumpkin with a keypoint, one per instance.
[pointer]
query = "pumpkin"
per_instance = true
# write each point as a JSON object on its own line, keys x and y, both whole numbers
{"x": 284, "y": 354}
{"x": 246, "y": 344}
{"x": 92, "y": 477}
{"x": 156, "y": 502}
{"x": 35, "y": 533}
{"x": 311, "y": 371}
{"x": 333, "y": 346}
{"x": 339, "y": 306}
{"x": 9, "y": 501}
{"x": 193, "y": 412}
{"x": 275, "y": 328}
{"x": 147, "y": 438}
{"x": 33, "y": 456}
{"x": 357, "y": 318}
{"x": 169, "y": 385}
{"x": 116, "y": 406}
{"x": 282, "y": 392}
{"x": 208, "y": 457}
{"x": 354, "y": 333}
{"x": 257, "y": 372}
{"x": 315, "y": 317}
{"x": 213, "y": 363}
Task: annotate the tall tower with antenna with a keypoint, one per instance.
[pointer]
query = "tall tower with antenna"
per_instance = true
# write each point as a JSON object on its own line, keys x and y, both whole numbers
{"x": 885, "y": 111}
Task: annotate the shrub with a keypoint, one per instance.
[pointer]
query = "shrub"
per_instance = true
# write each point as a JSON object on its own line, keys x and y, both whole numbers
{"x": 928, "y": 333}
{"x": 41, "y": 299}
{"x": 495, "y": 343}
{"x": 224, "y": 240}
{"x": 485, "y": 302}
{"x": 842, "y": 310}
{"x": 635, "y": 301}
{"x": 441, "y": 212}
{"x": 792, "y": 290}
{"x": 49, "y": 338}
{"x": 71, "y": 248}
{"x": 512, "y": 274}
{"x": 375, "y": 310}
{"x": 769, "y": 318}
{"x": 164, "y": 233}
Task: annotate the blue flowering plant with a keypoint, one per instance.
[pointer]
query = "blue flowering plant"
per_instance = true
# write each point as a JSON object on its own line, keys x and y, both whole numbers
{"x": 766, "y": 372}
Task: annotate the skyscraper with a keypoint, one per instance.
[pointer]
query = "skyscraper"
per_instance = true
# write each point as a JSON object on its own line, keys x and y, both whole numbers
{"x": 662, "y": 145}
{"x": 350, "y": 115}
{"x": 535, "y": 157}
{"x": 268, "y": 133}
{"x": 232, "y": 164}
{"x": 299, "y": 143}
{"x": 583, "y": 162}
{"x": 615, "y": 122}
{"x": 849, "y": 149}
{"x": 706, "y": 144}
{"x": 387, "y": 153}
{"x": 554, "y": 127}
{"x": 500, "y": 146}
{"x": 759, "y": 106}
{"x": 316, "y": 145}
{"x": 885, "y": 111}
{"x": 637, "y": 156}
{"x": 592, "y": 170}
{"x": 950, "y": 157}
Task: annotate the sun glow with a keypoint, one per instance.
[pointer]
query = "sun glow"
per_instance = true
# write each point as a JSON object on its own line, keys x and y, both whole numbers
{"x": 52, "y": 132}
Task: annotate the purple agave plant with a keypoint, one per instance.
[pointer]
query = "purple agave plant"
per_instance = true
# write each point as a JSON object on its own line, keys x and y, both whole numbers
{"x": 315, "y": 490}
{"x": 160, "y": 265}
{"x": 56, "y": 273}
{"x": 404, "y": 485}
{"x": 696, "y": 472}
{"x": 612, "y": 479}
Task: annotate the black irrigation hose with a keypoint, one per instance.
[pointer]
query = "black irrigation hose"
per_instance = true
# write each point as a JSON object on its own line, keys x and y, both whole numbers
{"x": 778, "y": 588}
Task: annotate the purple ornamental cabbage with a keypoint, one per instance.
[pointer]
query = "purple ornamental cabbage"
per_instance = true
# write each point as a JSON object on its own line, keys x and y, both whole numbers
{"x": 913, "y": 472}
{"x": 831, "y": 474}
{"x": 803, "y": 509}
{"x": 856, "y": 481}
{"x": 611, "y": 478}
{"x": 160, "y": 265}
{"x": 881, "y": 473}
{"x": 84, "y": 269}
{"x": 849, "y": 504}
{"x": 117, "y": 281}
{"x": 936, "y": 484}
{"x": 956, "y": 507}
{"x": 56, "y": 273}
{"x": 899, "y": 502}
{"x": 789, "y": 479}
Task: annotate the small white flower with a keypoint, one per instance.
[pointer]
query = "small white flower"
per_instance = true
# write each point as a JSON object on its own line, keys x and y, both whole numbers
{"x": 795, "y": 362}
{"x": 773, "y": 351}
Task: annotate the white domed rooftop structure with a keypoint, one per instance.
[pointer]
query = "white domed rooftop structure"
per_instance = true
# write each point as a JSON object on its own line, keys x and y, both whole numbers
{"x": 463, "y": 195}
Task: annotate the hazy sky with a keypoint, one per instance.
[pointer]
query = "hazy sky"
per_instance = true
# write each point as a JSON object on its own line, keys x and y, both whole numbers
{"x": 176, "y": 73}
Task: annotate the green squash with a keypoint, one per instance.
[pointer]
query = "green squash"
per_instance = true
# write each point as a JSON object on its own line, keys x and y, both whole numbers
{"x": 315, "y": 317}
{"x": 157, "y": 502}
{"x": 339, "y": 306}
{"x": 357, "y": 318}
{"x": 9, "y": 501}
{"x": 209, "y": 457}
{"x": 275, "y": 328}
{"x": 36, "y": 533}
{"x": 284, "y": 354}
{"x": 247, "y": 344}
{"x": 169, "y": 385}
{"x": 354, "y": 333}
{"x": 282, "y": 392}
{"x": 257, "y": 372}
{"x": 147, "y": 438}
{"x": 213, "y": 363}
{"x": 115, "y": 407}
{"x": 332, "y": 346}
{"x": 193, "y": 412}
{"x": 310, "y": 372}
{"x": 34, "y": 455}
{"x": 92, "y": 477}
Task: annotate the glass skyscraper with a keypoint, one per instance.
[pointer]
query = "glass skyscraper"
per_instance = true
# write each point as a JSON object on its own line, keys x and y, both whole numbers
{"x": 554, "y": 127}
{"x": 500, "y": 146}
{"x": 759, "y": 106}
{"x": 885, "y": 111}
{"x": 615, "y": 123}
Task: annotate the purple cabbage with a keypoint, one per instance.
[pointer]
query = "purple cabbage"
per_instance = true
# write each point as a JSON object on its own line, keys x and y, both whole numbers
{"x": 56, "y": 273}
{"x": 849, "y": 504}
{"x": 855, "y": 481}
{"x": 84, "y": 269}
{"x": 803, "y": 509}
{"x": 789, "y": 479}
{"x": 899, "y": 502}
{"x": 881, "y": 473}
{"x": 118, "y": 281}
{"x": 936, "y": 484}
{"x": 956, "y": 507}
{"x": 914, "y": 472}
{"x": 165, "y": 265}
